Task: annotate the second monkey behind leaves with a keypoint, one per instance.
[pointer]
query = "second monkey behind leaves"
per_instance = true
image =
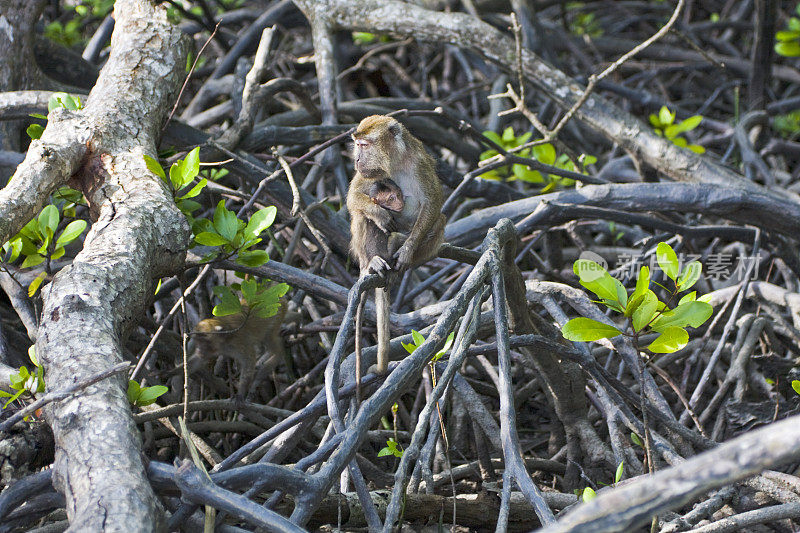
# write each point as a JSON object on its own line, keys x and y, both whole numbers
{"x": 384, "y": 148}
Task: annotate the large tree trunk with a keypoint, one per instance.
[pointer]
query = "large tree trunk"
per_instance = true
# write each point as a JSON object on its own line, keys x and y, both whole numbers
{"x": 138, "y": 235}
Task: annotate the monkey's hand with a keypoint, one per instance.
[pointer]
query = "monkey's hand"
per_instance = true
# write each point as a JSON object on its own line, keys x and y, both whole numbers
{"x": 383, "y": 219}
{"x": 378, "y": 265}
{"x": 403, "y": 257}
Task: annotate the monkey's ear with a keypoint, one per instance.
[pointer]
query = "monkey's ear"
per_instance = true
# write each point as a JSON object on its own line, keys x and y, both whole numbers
{"x": 395, "y": 129}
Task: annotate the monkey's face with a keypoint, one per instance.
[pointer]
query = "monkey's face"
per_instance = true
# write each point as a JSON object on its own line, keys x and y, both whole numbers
{"x": 377, "y": 142}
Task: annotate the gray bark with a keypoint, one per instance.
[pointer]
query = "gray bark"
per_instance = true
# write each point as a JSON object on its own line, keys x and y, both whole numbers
{"x": 138, "y": 235}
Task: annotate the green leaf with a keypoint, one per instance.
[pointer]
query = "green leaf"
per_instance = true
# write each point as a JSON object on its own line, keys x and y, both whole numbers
{"x": 544, "y": 153}
{"x": 788, "y": 49}
{"x": 48, "y": 219}
{"x": 796, "y": 386}
{"x": 155, "y": 167}
{"x": 619, "y": 472}
{"x": 654, "y": 121}
{"x": 636, "y": 440}
{"x": 693, "y": 313}
{"x": 384, "y": 452}
{"x": 410, "y": 347}
{"x": 642, "y": 282}
{"x": 225, "y": 221}
{"x": 187, "y": 207}
{"x": 679, "y": 141}
{"x": 133, "y": 391}
{"x": 261, "y": 220}
{"x": 785, "y": 36}
{"x": 690, "y": 274}
{"x": 176, "y": 175}
{"x": 207, "y": 238}
{"x": 194, "y": 191}
{"x": 596, "y": 279}
{"x": 35, "y": 131}
{"x": 252, "y": 258}
{"x": 229, "y": 303}
{"x": 696, "y": 148}
{"x": 57, "y": 253}
{"x": 417, "y": 336}
{"x": 191, "y": 165}
{"x": 690, "y": 297}
{"x": 248, "y": 288}
{"x": 32, "y": 260}
{"x": 585, "y": 329}
{"x": 494, "y": 137}
{"x": 15, "y": 247}
{"x": 71, "y": 232}
{"x": 690, "y": 123}
{"x": 671, "y": 131}
{"x": 17, "y": 395}
{"x": 38, "y": 115}
{"x": 588, "y": 494}
{"x": 448, "y": 342}
{"x": 671, "y": 340}
{"x": 665, "y": 116}
{"x": 645, "y": 312}
{"x": 36, "y": 283}
{"x": 667, "y": 260}
{"x": 149, "y": 395}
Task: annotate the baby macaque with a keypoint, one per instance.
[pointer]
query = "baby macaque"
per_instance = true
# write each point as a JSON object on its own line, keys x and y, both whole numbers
{"x": 379, "y": 245}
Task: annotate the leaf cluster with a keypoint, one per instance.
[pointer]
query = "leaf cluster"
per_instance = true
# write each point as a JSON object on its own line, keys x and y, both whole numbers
{"x": 181, "y": 180}
{"x": 787, "y": 42}
{"x": 139, "y": 396}
{"x": 642, "y": 309}
{"x": 67, "y": 101}
{"x": 24, "y": 381}
{"x": 418, "y": 339}
{"x": 39, "y": 240}
{"x": 261, "y": 298}
{"x": 232, "y": 236}
{"x": 544, "y": 153}
{"x": 664, "y": 124}
{"x": 391, "y": 448}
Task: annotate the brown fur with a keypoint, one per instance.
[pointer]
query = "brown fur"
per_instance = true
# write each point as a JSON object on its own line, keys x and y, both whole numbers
{"x": 385, "y": 148}
{"x": 244, "y": 337}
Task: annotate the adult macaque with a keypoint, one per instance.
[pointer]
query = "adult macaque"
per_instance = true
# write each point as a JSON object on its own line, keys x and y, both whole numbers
{"x": 255, "y": 344}
{"x": 384, "y": 148}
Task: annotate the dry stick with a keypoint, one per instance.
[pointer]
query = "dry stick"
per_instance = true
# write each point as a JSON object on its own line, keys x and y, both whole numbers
{"x": 592, "y": 82}
{"x": 189, "y": 75}
{"x": 515, "y": 464}
{"x": 146, "y": 354}
{"x": 701, "y": 385}
{"x": 466, "y": 336}
{"x": 302, "y": 159}
{"x": 60, "y": 395}
{"x": 297, "y": 209}
{"x": 244, "y": 122}
{"x": 757, "y": 516}
{"x": 680, "y": 396}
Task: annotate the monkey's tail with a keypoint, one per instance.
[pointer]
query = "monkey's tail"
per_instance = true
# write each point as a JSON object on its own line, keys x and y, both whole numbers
{"x": 359, "y": 343}
{"x": 382, "y": 316}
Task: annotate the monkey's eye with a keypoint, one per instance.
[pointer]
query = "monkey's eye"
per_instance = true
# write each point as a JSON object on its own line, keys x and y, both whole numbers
{"x": 361, "y": 143}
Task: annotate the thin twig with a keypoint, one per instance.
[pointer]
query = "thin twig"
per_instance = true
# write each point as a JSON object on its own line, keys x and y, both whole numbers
{"x": 62, "y": 394}
{"x": 189, "y": 75}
